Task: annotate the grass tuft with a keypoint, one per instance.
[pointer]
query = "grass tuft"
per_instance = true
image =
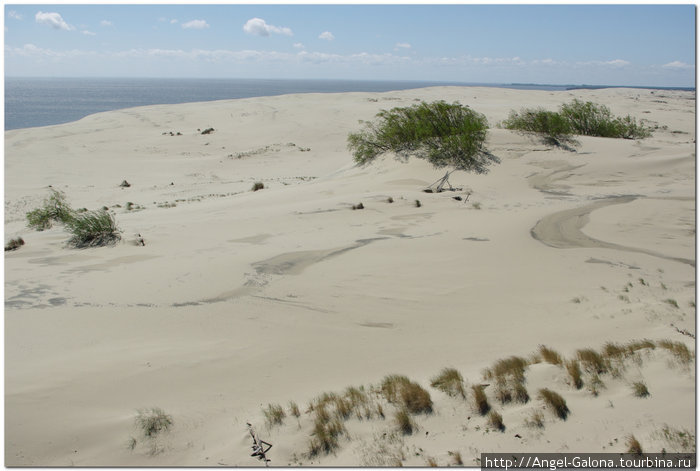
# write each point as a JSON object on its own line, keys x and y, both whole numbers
{"x": 496, "y": 421}
{"x": 481, "y": 402}
{"x": 450, "y": 382}
{"x": 678, "y": 349}
{"x": 153, "y": 421}
{"x": 536, "y": 419}
{"x": 640, "y": 389}
{"x": 93, "y": 229}
{"x": 404, "y": 421}
{"x": 400, "y": 390}
{"x": 550, "y": 356}
{"x": 633, "y": 446}
{"x": 258, "y": 186}
{"x": 555, "y": 402}
{"x": 591, "y": 361}
{"x": 274, "y": 415}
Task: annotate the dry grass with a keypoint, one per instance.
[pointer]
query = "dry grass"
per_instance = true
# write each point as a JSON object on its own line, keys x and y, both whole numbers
{"x": 274, "y": 415}
{"x": 294, "y": 409}
{"x": 677, "y": 440}
{"x": 456, "y": 458}
{"x": 14, "y": 244}
{"x": 481, "y": 402}
{"x": 550, "y": 356}
{"x": 679, "y": 350}
{"x": 636, "y": 345}
{"x": 431, "y": 462}
{"x": 574, "y": 370}
{"x": 402, "y": 391}
{"x": 592, "y": 361}
{"x": 450, "y": 382}
{"x": 513, "y": 366}
{"x": 640, "y": 389}
{"x": 633, "y": 446}
{"x": 325, "y": 434}
{"x": 404, "y": 421}
{"x": 536, "y": 419}
{"x": 153, "y": 421}
{"x": 495, "y": 420}
{"x": 555, "y": 402}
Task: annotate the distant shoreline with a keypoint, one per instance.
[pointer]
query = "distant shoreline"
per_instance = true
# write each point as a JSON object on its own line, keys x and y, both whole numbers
{"x": 46, "y": 101}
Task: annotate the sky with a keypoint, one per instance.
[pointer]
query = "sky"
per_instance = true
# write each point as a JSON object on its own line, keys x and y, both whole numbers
{"x": 628, "y": 45}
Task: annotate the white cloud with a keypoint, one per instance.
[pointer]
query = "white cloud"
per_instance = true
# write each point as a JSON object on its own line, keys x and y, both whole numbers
{"x": 298, "y": 45}
{"x": 258, "y": 27}
{"x": 105, "y": 23}
{"x": 14, "y": 14}
{"x": 54, "y": 20}
{"x": 677, "y": 65}
{"x": 30, "y": 50}
{"x": 403, "y": 46}
{"x": 88, "y": 33}
{"x": 195, "y": 24}
{"x": 173, "y": 21}
{"x": 326, "y": 35}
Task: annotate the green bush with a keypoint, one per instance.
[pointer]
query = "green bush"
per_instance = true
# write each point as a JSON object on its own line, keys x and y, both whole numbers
{"x": 54, "y": 209}
{"x": 444, "y": 134}
{"x": 93, "y": 229}
{"x": 577, "y": 117}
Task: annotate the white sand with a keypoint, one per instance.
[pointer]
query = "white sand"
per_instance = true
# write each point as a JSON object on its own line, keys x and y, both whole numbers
{"x": 240, "y": 299}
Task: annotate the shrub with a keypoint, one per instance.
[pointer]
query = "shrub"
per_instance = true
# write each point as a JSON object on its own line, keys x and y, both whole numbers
{"x": 404, "y": 421}
{"x": 481, "y": 402}
{"x": 450, "y": 382}
{"x": 153, "y": 421}
{"x": 14, "y": 244}
{"x": 496, "y": 421}
{"x": 93, "y": 229}
{"x": 555, "y": 402}
{"x": 553, "y": 127}
{"x": 54, "y": 209}
{"x": 258, "y": 186}
{"x": 640, "y": 389}
{"x": 550, "y": 356}
{"x": 443, "y": 134}
{"x": 591, "y": 119}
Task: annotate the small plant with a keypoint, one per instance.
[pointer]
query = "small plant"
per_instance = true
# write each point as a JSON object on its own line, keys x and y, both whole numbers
{"x": 637, "y": 345}
{"x": 496, "y": 421}
{"x": 404, "y": 421}
{"x": 125, "y": 184}
{"x": 14, "y": 244}
{"x": 93, "y": 229}
{"x": 324, "y": 437}
{"x": 640, "y": 389}
{"x": 153, "y": 421}
{"x": 574, "y": 370}
{"x": 536, "y": 419}
{"x": 481, "y": 402}
{"x": 592, "y": 361}
{"x": 431, "y": 462}
{"x": 679, "y": 441}
{"x": 671, "y": 302}
{"x": 358, "y": 206}
{"x": 418, "y": 204}
{"x": 450, "y": 382}
{"x": 555, "y": 402}
{"x": 476, "y": 205}
{"x": 678, "y": 349}
{"x": 512, "y": 366}
{"x": 400, "y": 390}
{"x": 274, "y": 415}
{"x": 258, "y": 186}
{"x": 456, "y": 458}
{"x": 208, "y": 131}
{"x": 54, "y": 209}
{"x": 390, "y": 200}
{"x": 595, "y": 384}
{"x": 294, "y": 409}
{"x": 550, "y": 356}
{"x": 633, "y": 446}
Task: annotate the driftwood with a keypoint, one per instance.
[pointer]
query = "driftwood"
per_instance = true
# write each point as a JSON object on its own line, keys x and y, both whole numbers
{"x": 259, "y": 445}
{"x": 441, "y": 183}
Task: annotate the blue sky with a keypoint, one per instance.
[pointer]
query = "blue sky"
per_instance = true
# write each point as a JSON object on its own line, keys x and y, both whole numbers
{"x": 648, "y": 45}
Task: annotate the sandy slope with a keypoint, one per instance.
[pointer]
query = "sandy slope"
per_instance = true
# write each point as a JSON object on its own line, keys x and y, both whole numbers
{"x": 240, "y": 299}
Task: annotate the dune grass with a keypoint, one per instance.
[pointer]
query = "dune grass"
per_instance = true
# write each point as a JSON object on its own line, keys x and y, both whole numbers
{"x": 402, "y": 391}
{"x": 592, "y": 361}
{"x": 495, "y": 420}
{"x": 14, "y": 244}
{"x": 481, "y": 402}
{"x": 450, "y": 382}
{"x": 679, "y": 350}
{"x": 274, "y": 415}
{"x": 555, "y": 402}
{"x": 640, "y": 389}
{"x": 633, "y": 446}
{"x": 404, "y": 421}
{"x": 153, "y": 421}
{"x": 550, "y": 356}
{"x": 93, "y": 229}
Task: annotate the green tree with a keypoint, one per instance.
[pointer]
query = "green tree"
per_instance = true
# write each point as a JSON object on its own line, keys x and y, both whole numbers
{"x": 443, "y": 134}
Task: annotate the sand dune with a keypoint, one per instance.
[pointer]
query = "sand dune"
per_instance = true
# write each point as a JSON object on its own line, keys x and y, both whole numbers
{"x": 242, "y": 298}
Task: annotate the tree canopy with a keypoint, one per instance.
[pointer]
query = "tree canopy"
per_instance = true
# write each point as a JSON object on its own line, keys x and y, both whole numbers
{"x": 443, "y": 134}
